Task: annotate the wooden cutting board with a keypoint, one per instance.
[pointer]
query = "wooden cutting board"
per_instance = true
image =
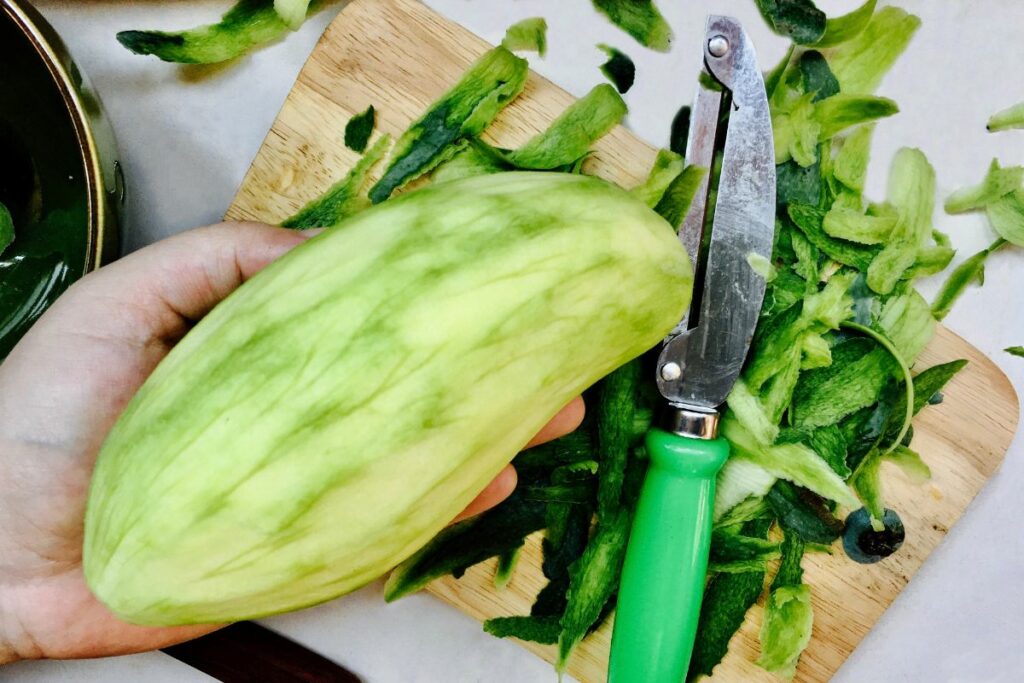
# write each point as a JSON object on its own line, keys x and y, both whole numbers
{"x": 400, "y": 56}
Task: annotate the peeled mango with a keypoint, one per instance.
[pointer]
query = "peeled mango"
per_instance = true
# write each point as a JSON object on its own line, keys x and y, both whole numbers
{"x": 340, "y": 408}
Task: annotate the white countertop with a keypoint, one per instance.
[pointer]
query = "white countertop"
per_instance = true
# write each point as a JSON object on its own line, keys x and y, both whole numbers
{"x": 187, "y": 136}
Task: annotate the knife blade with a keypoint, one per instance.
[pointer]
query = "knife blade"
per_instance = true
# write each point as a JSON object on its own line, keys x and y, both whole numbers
{"x": 702, "y": 357}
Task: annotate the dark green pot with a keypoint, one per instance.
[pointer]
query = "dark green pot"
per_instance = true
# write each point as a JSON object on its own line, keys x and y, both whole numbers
{"x": 59, "y": 171}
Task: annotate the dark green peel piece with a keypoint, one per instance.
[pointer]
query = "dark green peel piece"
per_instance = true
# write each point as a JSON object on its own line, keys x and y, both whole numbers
{"x": 574, "y": 493}
{"x": 615, "y": 410}
{"x": 803, "y": 513}
{"x": 358, "y": 130}
{"x": 928, "y": 383}
{"x": 828, "y": 442}
{"x": 680, "y": 132}
{"x": 1015, "y": 351}
{"x": 534, "y": 629}
{"x": 619, "y": 69}
{"x": 594, "y": 577}
{"x": 6, "y": 228}
{"x": 796, "y": 184}
{"x": 818, "y": 77}
{"x": 536, "y": 463}
{"x": 800, "y": 20}
{"x": 734, "y": 552}
{"x": 464, "y": 111}
{"x": 249, "y": 24}
{"x": 855, "y": 379}
{"x": 462, "y": 545}
{"x": 507, "y": 563}
{"x": 790, "y": 572}
{"x": 726, "y": 601}
{"x": 344, "y": 198}
{"x": 640, "y": 19}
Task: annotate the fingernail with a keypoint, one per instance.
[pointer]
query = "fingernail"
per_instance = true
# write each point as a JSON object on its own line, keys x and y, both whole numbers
{"x": 311, "y": 232}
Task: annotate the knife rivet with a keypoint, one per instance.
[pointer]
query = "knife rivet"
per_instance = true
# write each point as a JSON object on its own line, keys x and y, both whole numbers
{"x": 718, "y": 46}
{"x": 671, "y": 371}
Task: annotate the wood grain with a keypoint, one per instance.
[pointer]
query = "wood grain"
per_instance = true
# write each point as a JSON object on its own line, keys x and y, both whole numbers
{"x": 400, "y": 56}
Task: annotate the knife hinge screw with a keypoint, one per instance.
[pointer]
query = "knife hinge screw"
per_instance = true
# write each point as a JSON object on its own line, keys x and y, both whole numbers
{"x": 671, "y": 372}
{"x": 718, "y": 46}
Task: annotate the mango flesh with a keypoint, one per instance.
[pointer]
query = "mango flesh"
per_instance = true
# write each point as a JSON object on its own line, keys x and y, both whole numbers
{"x": 336, "y": 411}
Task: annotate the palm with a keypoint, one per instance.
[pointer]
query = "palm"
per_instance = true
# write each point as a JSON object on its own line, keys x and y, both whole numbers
{"x": 61, "y": 390}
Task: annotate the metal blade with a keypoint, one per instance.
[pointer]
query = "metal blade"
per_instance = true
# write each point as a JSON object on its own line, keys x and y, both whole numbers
{"x": 700, "y": 363}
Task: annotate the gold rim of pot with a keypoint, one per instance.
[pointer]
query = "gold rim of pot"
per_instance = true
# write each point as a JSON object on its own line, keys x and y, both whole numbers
{"x": 103, "y": 175}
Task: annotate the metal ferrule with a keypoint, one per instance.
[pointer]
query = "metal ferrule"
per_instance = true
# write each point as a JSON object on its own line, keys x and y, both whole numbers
{"x": 690, "y": 422}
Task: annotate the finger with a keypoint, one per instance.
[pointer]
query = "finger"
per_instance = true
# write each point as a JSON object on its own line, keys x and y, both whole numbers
{"x": 499, "y": 489}
{"x": 566, "y": 421}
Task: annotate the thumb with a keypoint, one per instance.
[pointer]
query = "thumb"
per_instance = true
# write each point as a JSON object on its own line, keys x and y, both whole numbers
{"x": 161, "y": 290}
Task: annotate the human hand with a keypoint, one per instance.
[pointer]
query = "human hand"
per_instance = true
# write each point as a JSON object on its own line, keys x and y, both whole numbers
{"x": 61, "y": 390}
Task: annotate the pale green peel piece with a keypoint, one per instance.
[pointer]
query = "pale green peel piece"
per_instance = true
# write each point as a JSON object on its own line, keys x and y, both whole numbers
{"x": 858, "y": 227}
{"x": 867, "y": 482}
{"x": 851, "y": 163}
{"x": 475, "y": 158}
{"x": 930, "y": 260}
{"x": 786, "y": 629}
{"x": 292, "y": 12}
{"x": 739, "y": 480}
{"x": 570, "y": 135}
{"x": 908, "y": 323}
{"x": 796, "y": 132}
{"x": 970, "y": 271}
{"x": 667, "y": 167}
{"x": 750, "y": 508}
{"x": 527, "y": 35}
{"x": 816, "y": 353}
{"x": 912, "y": 193}
{"x": 861, "y": 63}
{"x": 911, "y": 463}
{"x": 837, "y": 113}
{"x": 679, "y": 195}
{"x": 848, "y": 26}
{"x": 998, "y": 182}
{"x": 1013, "y": 117}
{"x": 800, "y": 124}
{"x": 794, "y": 462}
{"x": 748, "y": 410}
{"x": 1007, "y": 217}
{"x": 762, "y": 266}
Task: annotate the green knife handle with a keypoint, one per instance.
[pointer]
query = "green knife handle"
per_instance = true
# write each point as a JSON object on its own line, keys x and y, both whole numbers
{"x": 666, "y": 561}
